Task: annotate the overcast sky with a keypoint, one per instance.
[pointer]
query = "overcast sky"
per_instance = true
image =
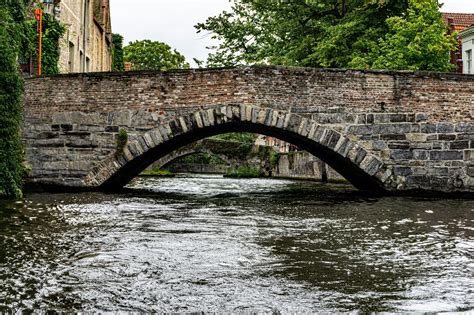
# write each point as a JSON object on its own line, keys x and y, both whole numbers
{"x": 172, "y": 21}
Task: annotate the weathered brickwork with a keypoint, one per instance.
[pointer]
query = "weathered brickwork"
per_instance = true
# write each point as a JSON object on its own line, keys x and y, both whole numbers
{"x": 397, "y": 131}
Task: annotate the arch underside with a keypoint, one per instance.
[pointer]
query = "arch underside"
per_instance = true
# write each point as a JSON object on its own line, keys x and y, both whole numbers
{"x": 361, "y": 168}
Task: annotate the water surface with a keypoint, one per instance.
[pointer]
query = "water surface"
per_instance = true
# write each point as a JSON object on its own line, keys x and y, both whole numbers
{"x": 205, "y": 243}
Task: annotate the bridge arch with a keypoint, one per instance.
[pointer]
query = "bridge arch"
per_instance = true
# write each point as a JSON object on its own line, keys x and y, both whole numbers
{"x": 361, "y": 168}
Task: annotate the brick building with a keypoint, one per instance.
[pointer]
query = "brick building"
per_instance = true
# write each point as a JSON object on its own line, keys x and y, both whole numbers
{"x": 458, "y": 22}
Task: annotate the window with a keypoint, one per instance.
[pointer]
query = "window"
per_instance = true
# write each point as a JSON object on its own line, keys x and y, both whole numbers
{"x": 469, "y": 61}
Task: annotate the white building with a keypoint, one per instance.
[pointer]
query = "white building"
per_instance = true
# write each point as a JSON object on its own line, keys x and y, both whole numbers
{"x": 467, "y": 38}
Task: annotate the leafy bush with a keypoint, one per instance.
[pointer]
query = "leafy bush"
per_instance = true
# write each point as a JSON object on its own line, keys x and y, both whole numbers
{"x": 245, "y": 172}
{"x": 122, "y": 139}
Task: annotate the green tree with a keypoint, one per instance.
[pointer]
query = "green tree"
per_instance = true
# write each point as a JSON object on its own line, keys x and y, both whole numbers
{"x": 12, "y": 40}
{"x": 417, "y": 41}
{"x": 117, "y": 53}
{"x": 150, "y": 55}
{"x": 316, "y": 33}
{"x": 319, "y": 33}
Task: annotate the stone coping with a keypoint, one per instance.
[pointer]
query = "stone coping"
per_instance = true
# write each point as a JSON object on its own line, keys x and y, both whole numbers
{"x": 256, "y": 68}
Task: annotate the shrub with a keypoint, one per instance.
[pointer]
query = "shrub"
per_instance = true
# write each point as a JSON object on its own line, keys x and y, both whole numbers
{"x": 245, "y": 172}
{"x": 122, "y": 139}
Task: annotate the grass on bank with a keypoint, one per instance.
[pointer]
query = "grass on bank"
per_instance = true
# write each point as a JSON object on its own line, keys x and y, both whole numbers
{"x": 244, "y": 172}
{"x": 157, "y": 172}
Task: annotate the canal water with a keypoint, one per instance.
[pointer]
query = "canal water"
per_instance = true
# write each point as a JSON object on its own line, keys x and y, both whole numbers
{"x": 209, "y": 244}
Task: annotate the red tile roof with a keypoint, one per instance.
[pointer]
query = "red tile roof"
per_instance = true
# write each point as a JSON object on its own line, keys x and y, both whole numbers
{"x": 461, "y": 21}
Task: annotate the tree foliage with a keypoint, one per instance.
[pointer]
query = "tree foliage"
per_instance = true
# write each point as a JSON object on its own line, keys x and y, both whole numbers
{"x": 12, "y": 39}
{"x": 150, "y": 55}
{"x": 117, "y": 53}
{"x": 417, "y": 41}
{"x": 317, "y": 33}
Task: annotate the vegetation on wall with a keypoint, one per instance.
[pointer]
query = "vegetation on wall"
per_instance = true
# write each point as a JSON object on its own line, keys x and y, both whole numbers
{"x": 122, "y": 139}
{"x": 53, "y": 30}
{"x": 117, "y": 53}
{"x": 392, "y": 34}
{"x": 12, "y": 40}
{"x": 150, "y": 55}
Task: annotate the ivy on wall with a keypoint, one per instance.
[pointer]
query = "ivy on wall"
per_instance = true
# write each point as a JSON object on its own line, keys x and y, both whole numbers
{"x": 117, "y": 53}
{"x": 12, "y": 40}
{"x": 53, "y": 30}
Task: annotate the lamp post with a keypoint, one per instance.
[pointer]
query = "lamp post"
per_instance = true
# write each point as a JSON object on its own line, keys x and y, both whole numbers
{"x": 39, "y": 18}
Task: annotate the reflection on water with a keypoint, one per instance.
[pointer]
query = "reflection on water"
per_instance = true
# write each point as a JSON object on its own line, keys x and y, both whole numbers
{"x": 205, "y": 243}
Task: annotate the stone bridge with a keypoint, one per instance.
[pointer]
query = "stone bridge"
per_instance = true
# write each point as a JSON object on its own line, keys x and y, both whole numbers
{"x": 383, "y": 131}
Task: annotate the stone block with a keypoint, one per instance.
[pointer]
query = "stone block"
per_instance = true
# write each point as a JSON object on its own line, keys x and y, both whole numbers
{"x": 293, "y": 122}
{"x": 421, "y": 117}
{"x": 304, "y": 127}
{"x": 417, "y": 181}
{"x": 446, "y": 155}
{"x": 330, "y": 139}
{"x": 396, "y": 118}
{"x": 143, "y": 144}
{"x": 210, "y": 116}
{"x": 357, "y": 154}
{"x": 121, "y": 118}
{"x": 401, "y": 155}
{"x": 370, "y": 118}
{"x": 444, "y": 128}
{"x": 459, "y": 145}
{"x": 400, "y": 145}
{"x": 470, "y": 171}
{"x": 198, "y": 119}
{"x": 205, "y": 119}
{"x": 111, "y": 128}
{"x": 469, "y": 155}
{"x": 393, "y": 137}
{"x": 428, "y": 128}
{"x": 156, "y": 137}
{"x": 61, "y": 118}
{"x": 262, "y": 115}
{"x": 379, "y": 145}
{"x": 402, "y": 171}
{"x": 446, "y": 137}
{"x": 421, "y": 154}
{"x": 66, "y": 127}
{"x": 343, "y": 146}
{"x": 416, "y": 137}
{"x": 360, "y": 129}
{"x": 371, "y": 165}
{"x": 467, "y": 127}
{"x": 392, "y": 129}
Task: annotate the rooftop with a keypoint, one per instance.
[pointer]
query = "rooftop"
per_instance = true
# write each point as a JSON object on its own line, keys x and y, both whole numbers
{"x": 461, "y": 21}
